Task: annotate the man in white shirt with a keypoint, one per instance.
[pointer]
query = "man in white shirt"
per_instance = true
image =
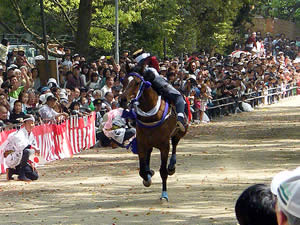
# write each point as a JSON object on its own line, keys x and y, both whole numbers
{"x": 18, "y": 147}
{"x": 47, "y": 111}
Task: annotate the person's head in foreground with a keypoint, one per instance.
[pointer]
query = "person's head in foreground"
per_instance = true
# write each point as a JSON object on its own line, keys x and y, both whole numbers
{"x": 256, "y": 206}
{"x": 286, "y": 186}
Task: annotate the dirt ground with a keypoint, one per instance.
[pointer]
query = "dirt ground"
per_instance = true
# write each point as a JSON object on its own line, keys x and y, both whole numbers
{"x": 215, "y": 162}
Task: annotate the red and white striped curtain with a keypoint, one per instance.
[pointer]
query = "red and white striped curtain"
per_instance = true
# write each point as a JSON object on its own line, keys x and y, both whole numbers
{"x": 58, "y": 141}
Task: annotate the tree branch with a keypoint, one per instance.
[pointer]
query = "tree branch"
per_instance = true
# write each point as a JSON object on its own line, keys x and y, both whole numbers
{"x": 65, "y": 15}
{"x": 35, "y": 44}
{"x": 19, "y": 14}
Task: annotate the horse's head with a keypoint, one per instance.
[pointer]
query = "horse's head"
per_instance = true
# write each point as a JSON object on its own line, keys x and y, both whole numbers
{"x": 134, "y": 90}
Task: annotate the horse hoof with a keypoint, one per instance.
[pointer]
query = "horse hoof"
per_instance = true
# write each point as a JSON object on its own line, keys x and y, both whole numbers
{"x": 164, "y": 196}
{"x": 171, "y": 171}
{"x": 148, "y": 182}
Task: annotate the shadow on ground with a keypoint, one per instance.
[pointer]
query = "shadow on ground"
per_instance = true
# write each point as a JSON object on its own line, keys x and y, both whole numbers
{"x": 215, "y": 163}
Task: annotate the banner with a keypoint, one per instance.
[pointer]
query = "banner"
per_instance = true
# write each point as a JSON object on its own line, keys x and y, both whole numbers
{"x": 58, "y": 141}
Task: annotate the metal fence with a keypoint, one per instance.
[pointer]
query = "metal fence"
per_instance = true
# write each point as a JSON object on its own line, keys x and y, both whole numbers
{"x": 227, "y": 105}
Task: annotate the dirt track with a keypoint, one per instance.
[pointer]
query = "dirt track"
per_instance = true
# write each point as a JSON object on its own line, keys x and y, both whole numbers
{"x": 215, "y": 163}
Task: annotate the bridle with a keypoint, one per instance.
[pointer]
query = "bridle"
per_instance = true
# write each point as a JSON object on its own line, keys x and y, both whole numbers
{"x": 135, "y": 110}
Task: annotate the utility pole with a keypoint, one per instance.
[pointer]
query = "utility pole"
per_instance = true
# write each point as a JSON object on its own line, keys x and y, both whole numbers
{"x": 44, "y": 37}
{"x": 165, "y": 48}
{"x": 117, "y": 56}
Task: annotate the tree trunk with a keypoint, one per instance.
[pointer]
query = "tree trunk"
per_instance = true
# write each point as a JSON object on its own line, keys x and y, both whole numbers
{"x": 84, "y": 26}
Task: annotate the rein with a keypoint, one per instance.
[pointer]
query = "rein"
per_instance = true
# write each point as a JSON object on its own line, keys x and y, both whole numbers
{"x": 135, "y": 110}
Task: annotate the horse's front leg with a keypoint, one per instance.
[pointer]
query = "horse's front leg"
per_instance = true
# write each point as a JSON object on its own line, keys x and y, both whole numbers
{"x": 164, "y": 153}
{"x": 148, "y": 162}
{"x": 145, "y": 173}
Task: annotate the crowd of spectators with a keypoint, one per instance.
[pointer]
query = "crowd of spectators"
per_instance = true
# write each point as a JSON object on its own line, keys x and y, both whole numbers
{"x": 206, "y": 80}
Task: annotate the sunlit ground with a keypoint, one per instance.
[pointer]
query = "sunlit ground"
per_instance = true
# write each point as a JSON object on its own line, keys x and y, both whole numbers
{"x": 215, "y": 163}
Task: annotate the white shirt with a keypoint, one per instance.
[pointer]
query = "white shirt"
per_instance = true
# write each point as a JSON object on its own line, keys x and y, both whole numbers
{"x": 104, "y": 90}
{"x": 17, "y": 141}
{"x": 48, "y": 113}
{"x": 67, "y": 63}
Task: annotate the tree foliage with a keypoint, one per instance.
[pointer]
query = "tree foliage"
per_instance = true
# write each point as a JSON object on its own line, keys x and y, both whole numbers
{"x": 185, "y": 25}
{"x": 282, "y": 9}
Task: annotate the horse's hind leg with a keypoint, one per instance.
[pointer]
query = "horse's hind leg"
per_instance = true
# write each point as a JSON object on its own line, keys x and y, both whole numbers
{"x": 171, "y": 167}
{"x": 164, "y": 153}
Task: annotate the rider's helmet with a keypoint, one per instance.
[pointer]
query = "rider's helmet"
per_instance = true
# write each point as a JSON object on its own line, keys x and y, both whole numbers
{"x": 143, "y": 58}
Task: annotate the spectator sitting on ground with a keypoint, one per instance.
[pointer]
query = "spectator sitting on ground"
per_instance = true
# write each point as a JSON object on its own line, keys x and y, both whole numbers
{"x": 18, "y": 147}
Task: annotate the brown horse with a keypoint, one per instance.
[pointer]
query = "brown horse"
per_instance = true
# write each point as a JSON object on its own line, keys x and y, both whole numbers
{"x": 155, "y": 126}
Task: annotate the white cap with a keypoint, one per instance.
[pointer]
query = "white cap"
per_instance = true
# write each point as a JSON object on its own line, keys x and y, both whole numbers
{"x": 281, "y": 177}
{"x": 289, "y": 195}
{"x": 51, "y": 81}
{"x": 163, "y": 68}
{"x": 44, "y": 97}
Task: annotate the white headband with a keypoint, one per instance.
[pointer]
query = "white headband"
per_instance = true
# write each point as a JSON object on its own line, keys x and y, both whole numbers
{"x": 30, "y": 118}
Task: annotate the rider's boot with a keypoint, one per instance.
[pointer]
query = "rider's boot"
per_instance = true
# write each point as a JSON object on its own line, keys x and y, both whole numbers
{"x": 181, "y": 124}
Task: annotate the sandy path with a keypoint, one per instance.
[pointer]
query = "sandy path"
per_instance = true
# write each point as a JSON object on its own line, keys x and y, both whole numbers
{"x": 215, "y": 163}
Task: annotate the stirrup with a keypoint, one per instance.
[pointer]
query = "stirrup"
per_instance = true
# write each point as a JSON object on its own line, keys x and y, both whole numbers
{"x": 180, "y": 126}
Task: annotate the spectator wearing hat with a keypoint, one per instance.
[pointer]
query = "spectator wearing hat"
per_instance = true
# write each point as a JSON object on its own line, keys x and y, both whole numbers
{"x": 47, "y": 111}
{"x": 21, "y": 59}
{"x": 286, "y": 186}
{"x": 76, "y": 57}
{"x": 44, "y": 90}
{"x": 11, "y": 57}
{"x": 98, "y": 110}
{"x": 163, "y": 71}
{"x": 18, "y": 147}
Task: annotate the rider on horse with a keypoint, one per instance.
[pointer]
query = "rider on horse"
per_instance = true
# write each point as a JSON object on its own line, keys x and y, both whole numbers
{"x": 147, "y": 66}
